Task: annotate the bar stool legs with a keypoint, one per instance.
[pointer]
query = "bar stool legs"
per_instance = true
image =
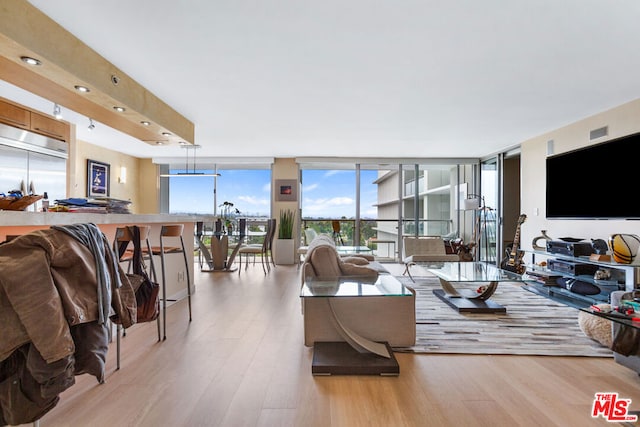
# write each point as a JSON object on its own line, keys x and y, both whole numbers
{"x": 169, "y": 231}
{"x": 121, "y": 242}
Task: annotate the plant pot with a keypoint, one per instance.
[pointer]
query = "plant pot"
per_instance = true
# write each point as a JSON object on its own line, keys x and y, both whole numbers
{"x": 283, "y": 251}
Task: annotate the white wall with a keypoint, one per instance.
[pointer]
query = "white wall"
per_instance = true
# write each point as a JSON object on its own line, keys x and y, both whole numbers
{"x": 621, "y": 121}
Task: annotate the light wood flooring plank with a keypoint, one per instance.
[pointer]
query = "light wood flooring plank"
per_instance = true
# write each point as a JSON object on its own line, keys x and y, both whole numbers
{"x": 242, "y": 362}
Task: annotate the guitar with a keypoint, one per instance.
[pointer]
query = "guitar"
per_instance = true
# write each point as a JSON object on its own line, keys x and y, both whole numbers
{"x": 513, "y": 260}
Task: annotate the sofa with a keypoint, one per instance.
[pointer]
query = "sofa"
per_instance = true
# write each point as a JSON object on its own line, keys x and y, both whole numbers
{"x": 375, "y": 317}
{"x": 322, "y": 261}
{"x": 631, "y": 362}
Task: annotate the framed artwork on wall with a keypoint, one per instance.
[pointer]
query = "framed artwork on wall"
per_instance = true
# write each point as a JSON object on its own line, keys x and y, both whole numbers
{"x": 98, "y": 179}
{"x": 286, "y": 190}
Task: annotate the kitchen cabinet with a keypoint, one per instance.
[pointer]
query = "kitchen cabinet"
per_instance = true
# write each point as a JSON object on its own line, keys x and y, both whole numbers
{"x": 20, "y": 117}
{"x": 50, "y": 127}
{"x": 14, "y": 115}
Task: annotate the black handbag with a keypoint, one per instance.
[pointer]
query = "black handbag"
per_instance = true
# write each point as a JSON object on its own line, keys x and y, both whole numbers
{"x": 147, "y": 292}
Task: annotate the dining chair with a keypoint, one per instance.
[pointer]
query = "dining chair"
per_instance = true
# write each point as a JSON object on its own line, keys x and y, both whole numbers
{"x": 309, "y": 235}
{"x": 262, "y": 249}
{"x": 272, "y": 228}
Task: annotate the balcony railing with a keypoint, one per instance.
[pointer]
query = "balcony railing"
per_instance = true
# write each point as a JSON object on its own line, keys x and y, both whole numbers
{"x": 380, "y": 235}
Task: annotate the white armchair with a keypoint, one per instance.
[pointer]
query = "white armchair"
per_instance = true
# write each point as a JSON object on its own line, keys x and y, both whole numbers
{"x": 423, "y": 250}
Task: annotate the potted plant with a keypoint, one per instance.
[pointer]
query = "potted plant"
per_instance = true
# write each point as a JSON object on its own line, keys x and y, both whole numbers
{"x": 284, "y": 245}
{"x": 286, "y": 224}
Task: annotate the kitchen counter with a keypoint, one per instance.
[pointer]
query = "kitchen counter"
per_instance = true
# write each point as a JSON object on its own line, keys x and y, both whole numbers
{"x": 22, "y": 218}
{"x": 15, "y": 223}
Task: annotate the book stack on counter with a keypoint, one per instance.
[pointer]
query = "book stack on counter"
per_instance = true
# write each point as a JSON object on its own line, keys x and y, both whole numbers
{"x": 95, "y": 205}
{"x": 112, "y": 205}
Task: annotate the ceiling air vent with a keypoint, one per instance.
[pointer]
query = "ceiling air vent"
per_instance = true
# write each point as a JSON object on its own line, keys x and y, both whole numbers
{"x": 598, "y": 133}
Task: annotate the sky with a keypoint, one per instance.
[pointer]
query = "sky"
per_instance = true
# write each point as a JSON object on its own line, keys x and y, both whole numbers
{"x": 325, "y": 193}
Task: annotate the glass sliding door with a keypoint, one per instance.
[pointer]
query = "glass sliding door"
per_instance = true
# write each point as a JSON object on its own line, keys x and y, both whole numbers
{"x": 380, "y": 209}
{"x": 488, "y": 213}
{"x": 430, "y": 200}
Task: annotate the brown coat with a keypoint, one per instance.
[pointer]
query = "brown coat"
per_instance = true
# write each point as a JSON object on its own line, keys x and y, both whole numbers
{"x": 47, "y": 284}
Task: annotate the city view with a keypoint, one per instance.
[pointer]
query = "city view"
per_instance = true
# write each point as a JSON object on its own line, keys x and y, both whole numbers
{"x": 325, "y": 193}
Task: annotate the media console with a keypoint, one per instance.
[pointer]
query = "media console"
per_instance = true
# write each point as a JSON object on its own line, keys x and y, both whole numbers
{"x": 543, "y": 280}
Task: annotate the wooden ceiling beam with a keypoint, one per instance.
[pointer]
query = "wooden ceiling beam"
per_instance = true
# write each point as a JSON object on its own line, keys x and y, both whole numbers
{"x": 66, "y": 62}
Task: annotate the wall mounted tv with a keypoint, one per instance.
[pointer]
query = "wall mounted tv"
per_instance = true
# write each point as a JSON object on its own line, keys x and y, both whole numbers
{"x": 596, "y": 182}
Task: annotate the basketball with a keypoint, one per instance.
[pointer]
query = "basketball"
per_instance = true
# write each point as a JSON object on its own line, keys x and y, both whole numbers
{"x": 624, "y": 247}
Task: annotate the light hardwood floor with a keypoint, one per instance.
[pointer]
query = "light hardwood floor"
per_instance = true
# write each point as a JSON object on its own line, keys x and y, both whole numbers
{"x": 241, "y": 362}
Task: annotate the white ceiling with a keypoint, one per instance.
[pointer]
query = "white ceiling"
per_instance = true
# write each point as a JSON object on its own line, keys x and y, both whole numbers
{"x": 372, "y": 78}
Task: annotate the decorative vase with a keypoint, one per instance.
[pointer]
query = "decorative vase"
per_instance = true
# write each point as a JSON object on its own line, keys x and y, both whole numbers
{"x": 542, "y": 237}
{"x": 624, "y": 247}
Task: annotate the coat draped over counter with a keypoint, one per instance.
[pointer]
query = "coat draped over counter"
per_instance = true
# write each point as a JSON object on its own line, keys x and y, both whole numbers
{"x": 52, "y": 290}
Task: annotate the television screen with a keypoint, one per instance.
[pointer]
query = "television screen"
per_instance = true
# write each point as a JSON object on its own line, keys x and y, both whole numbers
{"x": 595, "y": 182}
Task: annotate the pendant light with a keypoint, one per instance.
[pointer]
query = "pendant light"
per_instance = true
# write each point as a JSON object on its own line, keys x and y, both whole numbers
{"x": 187, "y": 172}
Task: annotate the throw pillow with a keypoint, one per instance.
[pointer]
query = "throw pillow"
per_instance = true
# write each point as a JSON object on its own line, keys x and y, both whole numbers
{"x": 357, "y": 260}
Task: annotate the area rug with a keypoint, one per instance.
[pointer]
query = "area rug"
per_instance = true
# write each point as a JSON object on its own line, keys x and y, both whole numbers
{"x": 532, "y": 325}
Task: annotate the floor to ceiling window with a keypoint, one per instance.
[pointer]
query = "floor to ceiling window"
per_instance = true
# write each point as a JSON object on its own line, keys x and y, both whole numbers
{"x": 203, "y": 193}
{"x": 328, "y": 203}
{"x": 374, "y": 201}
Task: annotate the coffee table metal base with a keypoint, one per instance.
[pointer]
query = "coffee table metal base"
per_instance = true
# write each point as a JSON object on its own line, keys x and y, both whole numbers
{"x": 469, "y": 305}
{"x": 340, "y": 358}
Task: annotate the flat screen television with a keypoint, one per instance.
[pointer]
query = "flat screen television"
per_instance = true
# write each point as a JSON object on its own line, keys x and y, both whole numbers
{"x": 596, "y": 182}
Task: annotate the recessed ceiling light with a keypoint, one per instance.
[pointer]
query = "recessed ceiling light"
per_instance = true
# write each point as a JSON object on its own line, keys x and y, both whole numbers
{"x": 145, "y": 123}
{"x": 83, "y": 89}
{"x": 159, "y": 143}
{"x": 31, "y": 61}
{"x": 119, "y": 109}
{"x": 166, "y": 134}
{"x": 182, "y": 142}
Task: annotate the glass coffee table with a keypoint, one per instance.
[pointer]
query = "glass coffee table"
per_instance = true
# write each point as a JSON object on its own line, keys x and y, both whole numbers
{"x": 484, "y": 279}
{"x": 353, "y": 250}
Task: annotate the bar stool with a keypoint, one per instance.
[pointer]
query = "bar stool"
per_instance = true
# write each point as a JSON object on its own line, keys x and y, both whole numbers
{"x": 171, "y": 231}
{"x": 121, "y": 242}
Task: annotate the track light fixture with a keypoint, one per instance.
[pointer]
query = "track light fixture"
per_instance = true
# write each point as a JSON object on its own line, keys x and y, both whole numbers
{"x": 91, "y": 125}
{"x": 57, "y": 111}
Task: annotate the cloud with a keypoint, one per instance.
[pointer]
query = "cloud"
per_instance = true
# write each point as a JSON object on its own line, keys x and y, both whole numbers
{"x": 310, "y": 187}
{"x": 335, "y": 172}
{"x": 369, "y": 213}
{"x": 255, "y": 201}
{"x": 330, "y": 207}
